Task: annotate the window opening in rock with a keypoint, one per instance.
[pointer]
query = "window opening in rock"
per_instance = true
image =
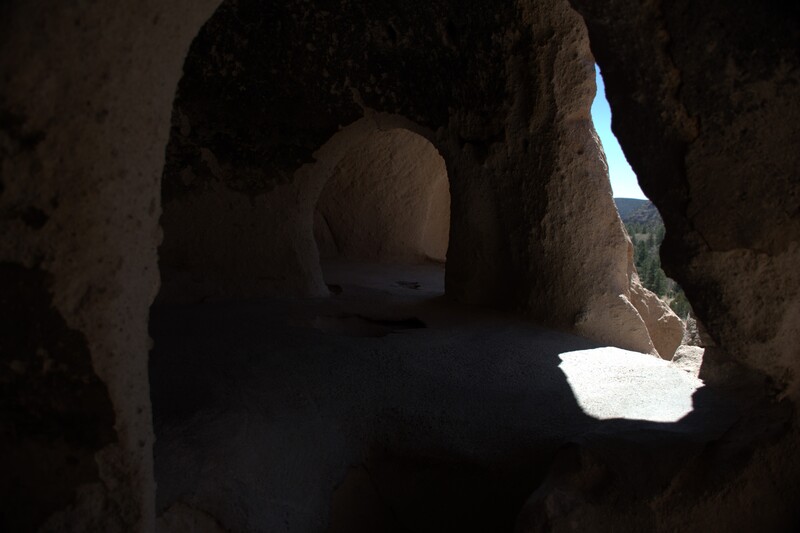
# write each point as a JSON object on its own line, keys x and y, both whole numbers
{"x": 383, "y": 218}
{"x": 646, "y": 229}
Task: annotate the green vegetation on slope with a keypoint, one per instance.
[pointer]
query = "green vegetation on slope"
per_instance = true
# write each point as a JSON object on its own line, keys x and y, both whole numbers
{"x": 626, "y": 206}
{"x": 646, "y": 229}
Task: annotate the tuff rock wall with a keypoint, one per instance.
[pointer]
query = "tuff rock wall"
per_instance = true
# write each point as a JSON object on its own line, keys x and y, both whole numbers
{"x": 85, "y": 100}
{"x": 705, "y": 103}
{"x": 388, "y": 200}
{"x": 706, "y": 100}
{"x": 503, "y": 91}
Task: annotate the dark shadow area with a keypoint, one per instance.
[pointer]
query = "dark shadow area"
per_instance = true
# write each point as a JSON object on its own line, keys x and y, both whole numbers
{"x": 363, "y": 326}
{"x": 55, "y": 413}
{"x": 270, "y": 424}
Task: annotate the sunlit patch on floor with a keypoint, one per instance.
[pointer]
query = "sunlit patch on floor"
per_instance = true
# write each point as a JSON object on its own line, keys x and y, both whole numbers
{"x": 613, "y": 383}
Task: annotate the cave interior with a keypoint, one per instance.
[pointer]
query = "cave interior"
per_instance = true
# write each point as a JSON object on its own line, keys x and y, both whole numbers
{"x": 327, "y": 266}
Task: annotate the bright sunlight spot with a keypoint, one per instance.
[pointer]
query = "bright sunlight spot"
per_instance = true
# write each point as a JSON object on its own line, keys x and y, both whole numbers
{"x": 613, "y": 383}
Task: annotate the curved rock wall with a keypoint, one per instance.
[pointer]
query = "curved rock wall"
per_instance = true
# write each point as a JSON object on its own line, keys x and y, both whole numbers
{"x": 533, "y": 227}
{"x": 224, "y": 243}
{"x": 388, "y": 200}
{"x": 265, "y": 87}
{"x": 705, "y": 102}
{"x": 85, "y": 99}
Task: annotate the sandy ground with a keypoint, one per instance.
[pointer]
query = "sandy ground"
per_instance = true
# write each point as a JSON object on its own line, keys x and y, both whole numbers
{"x": 395, "y": 405}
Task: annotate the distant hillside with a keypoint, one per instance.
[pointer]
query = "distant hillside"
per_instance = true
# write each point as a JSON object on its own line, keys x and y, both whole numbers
{"x": 626, "y": 206}
{"x": 638, "y": 212}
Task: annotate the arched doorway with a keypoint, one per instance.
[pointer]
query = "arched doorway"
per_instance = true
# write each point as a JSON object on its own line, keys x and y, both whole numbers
{"x": 386, "y": 202}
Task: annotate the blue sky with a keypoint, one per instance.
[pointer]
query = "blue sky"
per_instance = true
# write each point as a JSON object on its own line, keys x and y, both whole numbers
{"x": 623, "y": 180}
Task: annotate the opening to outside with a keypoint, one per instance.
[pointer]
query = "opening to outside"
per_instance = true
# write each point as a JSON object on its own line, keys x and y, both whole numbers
{"x": 609, "y": 397}
{"x": 641, "y": 218}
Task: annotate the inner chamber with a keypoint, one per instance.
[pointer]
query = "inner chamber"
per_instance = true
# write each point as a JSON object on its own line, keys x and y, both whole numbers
{"x": 387, "y": 202}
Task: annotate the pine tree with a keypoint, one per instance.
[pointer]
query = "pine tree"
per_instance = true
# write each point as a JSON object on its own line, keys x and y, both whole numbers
{"x": 629, "y": 230}
{"x": 680, "y": 305}
{"x": 648, "y": 273}
{"x": 640, "y": 256}
{"x": 659, "y": 282}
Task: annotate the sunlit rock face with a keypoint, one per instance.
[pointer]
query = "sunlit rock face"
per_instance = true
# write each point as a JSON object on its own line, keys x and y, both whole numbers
{"x": 665, "y": 327}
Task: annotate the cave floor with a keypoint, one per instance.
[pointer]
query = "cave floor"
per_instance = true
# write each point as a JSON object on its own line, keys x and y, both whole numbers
{"x": 387, "y": 408}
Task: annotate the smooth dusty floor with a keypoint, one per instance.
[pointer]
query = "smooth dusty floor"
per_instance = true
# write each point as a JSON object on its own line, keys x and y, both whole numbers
{"x": 384, "y": 407}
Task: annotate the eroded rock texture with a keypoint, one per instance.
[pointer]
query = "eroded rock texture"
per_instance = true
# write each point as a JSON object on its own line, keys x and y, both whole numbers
{"x": 705, "y": 101}
{"x": 55, "y": 412}
{"x": 705, "y": 97}
{"x": 265, "y": 88}
{"x": 386, "y": 200}
{"x": 665, "y": 328}
{"x": 85, "y": 100}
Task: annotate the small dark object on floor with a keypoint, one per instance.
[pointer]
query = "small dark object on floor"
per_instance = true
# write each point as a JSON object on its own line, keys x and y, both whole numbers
{"x": 362, "y": 326}
{"x": 335, "y": 289}
{"x": 406, "y": 323}
{"x": 415, "y": 285}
